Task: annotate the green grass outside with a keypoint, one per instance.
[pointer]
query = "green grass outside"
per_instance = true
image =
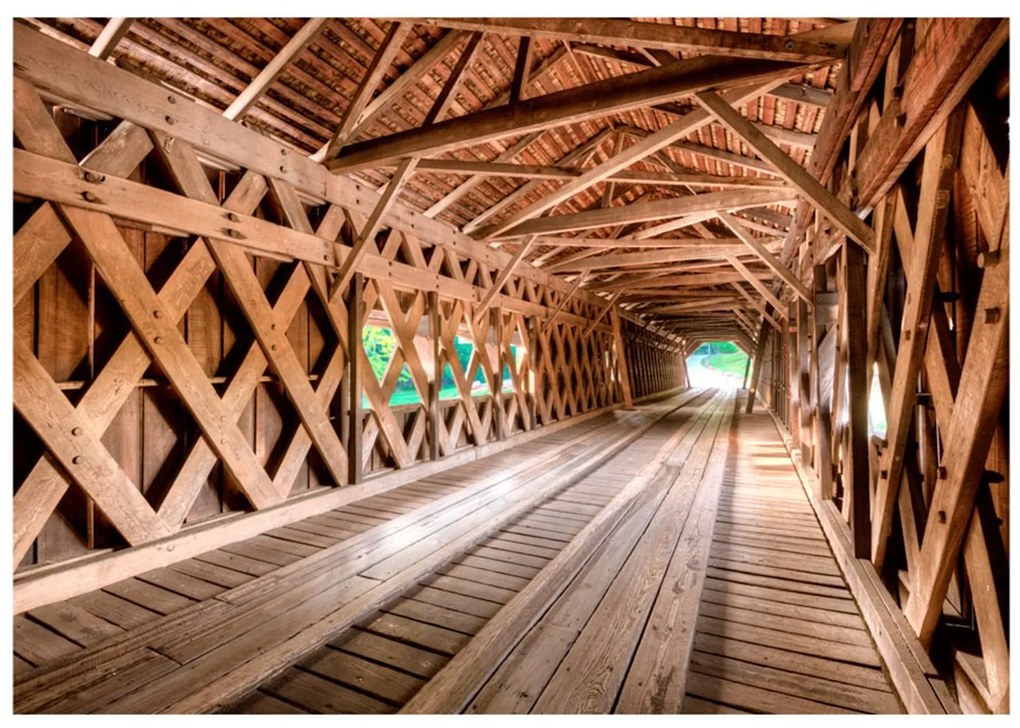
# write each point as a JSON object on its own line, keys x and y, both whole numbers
{"x": 410, "y": 396}
{"x": 729, "y": 363}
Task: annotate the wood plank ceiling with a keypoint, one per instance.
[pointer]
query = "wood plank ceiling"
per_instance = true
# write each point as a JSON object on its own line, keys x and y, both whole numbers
{"x": 615, "y": 186}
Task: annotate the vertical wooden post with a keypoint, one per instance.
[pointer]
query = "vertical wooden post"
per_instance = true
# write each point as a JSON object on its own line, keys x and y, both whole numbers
{"x": 757, "y": 364}
{"x": 532, "y": 382}
{"x": 856, "y": 474}
{"x": 497, "y": 376}
{"x": 822, "y": 449}
{"x": 355, "y": 318}
{"x": 621, "y": 362}
{"x": 803, "y": 367}
{"x": 432, "y": 406}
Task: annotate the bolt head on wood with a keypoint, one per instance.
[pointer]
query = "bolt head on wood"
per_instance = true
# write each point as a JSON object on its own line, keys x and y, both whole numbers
{"x": 77, "y": 459}
{"x": 89, "y": 196}
{"x": 158, "y": 340}
{"x": 988, "y": 259}
{"x": 76, "y": 431}
{"x": 992, "y": 315}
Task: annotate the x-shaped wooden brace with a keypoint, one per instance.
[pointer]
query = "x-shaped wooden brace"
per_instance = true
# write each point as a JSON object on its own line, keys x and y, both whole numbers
{"x": 404, "y": 327}
{"x": 518, "y": 402}
{"x": 270, "y": 330}
{"x": 49, "y": 412}
{"x": 448, "y": 330}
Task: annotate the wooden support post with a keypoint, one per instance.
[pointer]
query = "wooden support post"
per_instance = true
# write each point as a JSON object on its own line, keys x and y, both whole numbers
{"x": 621, "y": 362}
{"x": 856, "y": 475}
{"x": 532, "y": 329}
{"x": 822, "y": 431}
{"x": 436, "y": 375}
{"x": 355, "y": 320}
{"x": 497, "y": 376}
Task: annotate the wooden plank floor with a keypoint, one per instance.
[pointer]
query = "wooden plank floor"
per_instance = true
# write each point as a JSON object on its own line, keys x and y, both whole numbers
{"x": 778, "y": 631}
{"x": 381, "y": 663}
{"x": 711, "y": 590}
{"x": 194, "y": 621}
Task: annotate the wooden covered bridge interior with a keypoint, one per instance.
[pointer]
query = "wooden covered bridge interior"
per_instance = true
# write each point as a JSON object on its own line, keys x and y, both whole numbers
{"x": 223, "y": 503}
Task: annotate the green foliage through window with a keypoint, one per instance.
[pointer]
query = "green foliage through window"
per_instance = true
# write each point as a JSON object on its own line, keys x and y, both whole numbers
{"x": 380, "y": 344}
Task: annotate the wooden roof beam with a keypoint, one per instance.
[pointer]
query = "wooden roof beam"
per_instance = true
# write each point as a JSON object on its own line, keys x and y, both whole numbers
{"x": 673, "y": 207}
{"x": 570, "y": 158}
{"x": 369, "y": 82}
{"x": 621, "y": 260}
{"x": 829, "y": 44}
{"x": 406, "y": 80}
{"x": 533, "y": 171}
{"x": 112, "y": 33}
{"x": 809, "y": 95}
{"x": 764, "y": 290}
{"x": 784, "y": 273}
{"x": 261, "y": 83}
{"x": 796, "y": 175}
{"x": 609, "y": 96}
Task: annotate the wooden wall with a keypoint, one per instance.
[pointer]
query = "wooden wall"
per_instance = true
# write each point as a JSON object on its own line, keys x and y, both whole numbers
{"x": 185, "y": 347}
{"x": 918, "y": 145}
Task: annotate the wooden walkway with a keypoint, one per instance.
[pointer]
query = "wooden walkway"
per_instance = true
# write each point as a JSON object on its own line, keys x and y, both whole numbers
{"x": 564, "y": 575}
{"x": 777, "y": 631}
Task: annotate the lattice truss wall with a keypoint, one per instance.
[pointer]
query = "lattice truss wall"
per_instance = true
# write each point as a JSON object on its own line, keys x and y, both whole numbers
{"x": 920, "y": 323}
{"x": 188, "y": 321}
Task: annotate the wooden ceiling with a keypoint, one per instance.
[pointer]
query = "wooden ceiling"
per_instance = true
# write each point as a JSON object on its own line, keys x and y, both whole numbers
{"x": 521, "y": 118}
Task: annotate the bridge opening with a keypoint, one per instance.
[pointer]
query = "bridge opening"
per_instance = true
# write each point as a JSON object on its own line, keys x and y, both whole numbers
{"x": 717, "y": 364}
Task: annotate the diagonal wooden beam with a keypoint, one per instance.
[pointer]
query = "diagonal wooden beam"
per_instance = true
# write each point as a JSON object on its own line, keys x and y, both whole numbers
{"x": 602, "y": 313}
{"x": 113, "y": 32}
{"x": 468, "y": 185}
{"x": 76, "y": 446}
{"x": 42, "y": 237}
{"x": 936, "y": 181}
{"x": 751, "y": 278}
{"x": 261, "y": 83}
{"x": 407, "y": 80}
{"x": 647, "y": 146}
{"x": 563, "y": 107}
{"x": 576, "y": 155}
{"x": 403, "y": 173}
{"x": 521, "y": 69}
{"x": 667, "y": 37}
{"x": 578, "y": 282}
{"x": 979, "y": 401}
{"x": 370, "y": 81}
{"x": 503, "y": 276}
{"x": 248, "y": 292}
{"x": 784, "y": 273}
{"x": 792, "y": 172}
{"x": 167, "y": 347}
{"x": 758, "y": 306}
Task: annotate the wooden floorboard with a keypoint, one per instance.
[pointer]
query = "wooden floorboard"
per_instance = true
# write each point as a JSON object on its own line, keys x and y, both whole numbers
{"x": 778, "y": 630}
{"x": 711, "y": 590}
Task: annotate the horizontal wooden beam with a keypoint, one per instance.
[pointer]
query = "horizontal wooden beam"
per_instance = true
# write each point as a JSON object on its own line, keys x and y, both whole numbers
{"x": 534, "y": 171}
{"x": 684, "y": 39}
{"x": 649, "y": 211}
{"x": 706, "y": 250}
{"x": 563, "y": 107}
